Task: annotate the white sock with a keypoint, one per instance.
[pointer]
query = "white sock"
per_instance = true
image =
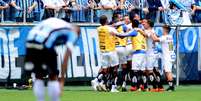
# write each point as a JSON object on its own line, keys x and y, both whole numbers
{"x": 54, "y": 90}
{"x": 96, "y": 79}
{"x": 39, "y": 89}
{"x": 124, "y": 84}
{"x": 114, "y": 87}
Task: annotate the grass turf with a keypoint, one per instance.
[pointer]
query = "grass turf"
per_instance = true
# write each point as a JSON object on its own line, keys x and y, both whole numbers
{"x": 84, "y": 93}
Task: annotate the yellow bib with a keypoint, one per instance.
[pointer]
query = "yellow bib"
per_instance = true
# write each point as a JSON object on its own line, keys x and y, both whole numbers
{"x": 106, "y": 40}
{"x": 139, "y": 42}
{"x": 120, "y": 41}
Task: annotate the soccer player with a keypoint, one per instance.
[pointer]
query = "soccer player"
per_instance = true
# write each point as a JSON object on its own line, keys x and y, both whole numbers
{"x": 109, "y": 57}
{"x": 41, "y": 55}
{"x": 122, "y": 54}
{"x": 151, "y": 55}
{"x": 168, "y": 55}
{"x": 138, "y": 59}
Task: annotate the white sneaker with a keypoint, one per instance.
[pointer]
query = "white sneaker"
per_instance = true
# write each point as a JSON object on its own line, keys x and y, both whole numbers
{"x": 94, "y": 84}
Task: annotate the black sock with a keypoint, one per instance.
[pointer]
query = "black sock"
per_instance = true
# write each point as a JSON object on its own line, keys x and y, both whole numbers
{"x": 100, "y": 77}
{"x": 140, "y": 79}
{"x": 134, "y": 80}
{"x": 170, "y": 83}
{"x": 152, "y": 80}
{"x": 145, "y": 83}
{"x": 158, "y": 79}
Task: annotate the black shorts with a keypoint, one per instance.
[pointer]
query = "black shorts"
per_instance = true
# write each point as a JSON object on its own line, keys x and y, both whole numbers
{"x": 44, "y": 61}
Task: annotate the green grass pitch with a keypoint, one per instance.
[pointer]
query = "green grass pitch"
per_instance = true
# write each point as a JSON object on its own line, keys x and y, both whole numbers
{"x": 84, "y": 93}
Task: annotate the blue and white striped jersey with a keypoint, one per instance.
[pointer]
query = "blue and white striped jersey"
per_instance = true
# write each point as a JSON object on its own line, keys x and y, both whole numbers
{"x": 2, "y": 3}
{"x": 52, "y": 32}
{"x": 24, "y": 6}
{"x": 39, "y": 6}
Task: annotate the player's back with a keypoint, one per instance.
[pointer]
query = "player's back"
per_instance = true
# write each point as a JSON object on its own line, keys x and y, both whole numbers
{"x": 106, "y": 40}
{"x": 51, "y": 32}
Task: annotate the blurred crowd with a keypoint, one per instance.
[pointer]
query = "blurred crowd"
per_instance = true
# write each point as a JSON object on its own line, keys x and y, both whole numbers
{"x": 90, "y": 10}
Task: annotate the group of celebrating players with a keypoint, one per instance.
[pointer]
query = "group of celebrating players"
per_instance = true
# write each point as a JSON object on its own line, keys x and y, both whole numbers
{"x": 129, "y": 55}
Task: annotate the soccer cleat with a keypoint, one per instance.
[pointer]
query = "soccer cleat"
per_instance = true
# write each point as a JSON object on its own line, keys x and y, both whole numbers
{"x": 161, "y": 89}
{"x": 153, "y": 90}
{"x": 171, "y": 88}
{"x": 94, "y": 85}
{"x": 133, "y": 88}
{"x": 142, "y": 87}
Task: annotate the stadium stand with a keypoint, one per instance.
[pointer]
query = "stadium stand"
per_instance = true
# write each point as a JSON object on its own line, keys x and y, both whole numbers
{"x": 90, "y": 10}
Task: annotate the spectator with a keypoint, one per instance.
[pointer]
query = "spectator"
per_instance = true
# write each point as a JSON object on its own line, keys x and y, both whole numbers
{"x": 189, "y": 5}
{"x": 91, "y": 6}
{"x": 78, "y": 13}
{"x": 173, "y": 15}
{"x": 65, "y": 11}
{"x": 8, "y": 12}
{"x": 24, "y": 9}
{"x": 141, "y": 5}
{"x": 39, "y": 10}
{"x": 165, "y": 4}
{"x": 197, "y": 11}
{"x": 121, "y": 8}
{"x": 52, "y": 8}
{"x": 107, "y": 8}
{"x": 60, "y": 12}
{"x": 3, "y": 5}
{"x": 154, "y": 7}
{"x": 97, "y": 11}
{"x": 186, "y": 9}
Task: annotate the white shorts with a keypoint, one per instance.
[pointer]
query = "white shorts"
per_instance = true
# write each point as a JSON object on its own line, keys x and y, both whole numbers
{"x": 151, "y": 61}
{"x": 109, "y": 59}
{"x": 129, "y": 50}
{"x": 167, "y": 65}
{"x": 139, "y": 61}
{"x": 121, "y": 52}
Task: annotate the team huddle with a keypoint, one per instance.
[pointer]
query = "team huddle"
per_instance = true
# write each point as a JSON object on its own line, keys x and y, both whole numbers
{"x": 129, "y": 54}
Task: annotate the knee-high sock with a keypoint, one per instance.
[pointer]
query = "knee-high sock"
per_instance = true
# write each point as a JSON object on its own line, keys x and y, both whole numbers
{"x": 54, "y": 90}
{"x": 158, "y": 79}
{"x": 152, "y": 80}
{"x": 39, "y": 90}
{"x": 134, "y": 78}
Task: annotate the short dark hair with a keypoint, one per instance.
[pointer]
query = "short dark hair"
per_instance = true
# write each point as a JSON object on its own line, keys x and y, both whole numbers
{"x": 150, "y": 22}
{"x": 132, "y": 13}
{"x": 172, "y": 5}
{"x": 135, "y": 23}
{"x": 103, "y": 20}
{"x": 167, "y": 27}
